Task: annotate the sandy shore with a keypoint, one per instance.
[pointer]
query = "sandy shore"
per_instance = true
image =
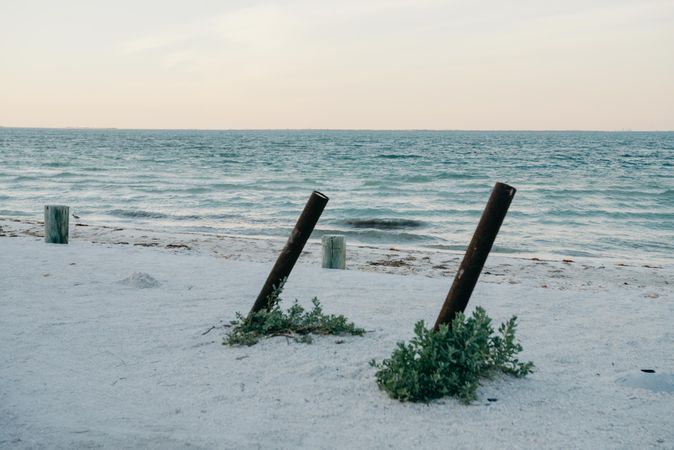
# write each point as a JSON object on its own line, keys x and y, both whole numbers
{"x": 652, "y": 278}
{"x": 88, "y": 361}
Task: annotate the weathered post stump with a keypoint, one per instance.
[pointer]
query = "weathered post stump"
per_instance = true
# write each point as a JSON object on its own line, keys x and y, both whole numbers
{"x": 334, "y": 252}
{"x": 56, "y": 219}
{"x": 292, "y": 250}
{"x": 476, "y": 253}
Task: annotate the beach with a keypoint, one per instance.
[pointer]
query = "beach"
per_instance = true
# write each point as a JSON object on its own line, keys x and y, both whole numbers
{"x": 468, "y": 206}
{"x": 92, "y": 358}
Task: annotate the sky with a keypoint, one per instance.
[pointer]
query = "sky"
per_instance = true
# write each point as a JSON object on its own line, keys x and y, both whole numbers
{"x": 338, "y": 64}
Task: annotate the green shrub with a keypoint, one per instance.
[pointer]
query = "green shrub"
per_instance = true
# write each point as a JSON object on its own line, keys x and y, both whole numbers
{"x": 451, "y": 361}
{"x": 296, "y": 323}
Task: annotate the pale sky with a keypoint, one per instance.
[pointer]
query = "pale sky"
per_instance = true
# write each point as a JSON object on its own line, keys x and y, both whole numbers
{"x": 344, "y": 64}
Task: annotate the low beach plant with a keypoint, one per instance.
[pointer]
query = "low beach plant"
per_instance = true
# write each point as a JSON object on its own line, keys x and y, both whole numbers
{"x": 296, "y": 323}
{"x": 452, "y": 360}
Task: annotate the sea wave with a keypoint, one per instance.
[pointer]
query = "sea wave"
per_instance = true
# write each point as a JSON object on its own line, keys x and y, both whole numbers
{"x": 141, "y": 214}
{"x": 137, "y": 213}
{"x": 398, "y": 156}
{"x": 384, "y": 224}
{"x": 378, "y": 236}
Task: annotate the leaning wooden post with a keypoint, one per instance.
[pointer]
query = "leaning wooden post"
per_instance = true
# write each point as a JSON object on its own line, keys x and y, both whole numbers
{"x": 288, "y": 257}
{"x": 476, "y": 253}
{"x": 56, "y": 218}
{"x": 333, "y": 252}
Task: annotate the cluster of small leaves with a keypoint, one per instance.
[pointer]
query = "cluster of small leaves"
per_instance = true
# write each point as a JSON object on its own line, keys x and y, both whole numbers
{"x": 296, "y": 323}
{"x": 451, "y": 361}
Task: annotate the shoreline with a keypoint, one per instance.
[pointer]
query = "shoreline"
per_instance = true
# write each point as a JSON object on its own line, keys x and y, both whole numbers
{"x": 581, "y": 273}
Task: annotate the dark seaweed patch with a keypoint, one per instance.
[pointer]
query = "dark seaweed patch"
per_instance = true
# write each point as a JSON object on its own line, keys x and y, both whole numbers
{"x": 384, "y": 224}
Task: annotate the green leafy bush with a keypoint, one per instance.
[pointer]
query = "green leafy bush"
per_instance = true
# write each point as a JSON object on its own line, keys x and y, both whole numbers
{"x": 296, "y": 323}
{"x": 451, "y": 361}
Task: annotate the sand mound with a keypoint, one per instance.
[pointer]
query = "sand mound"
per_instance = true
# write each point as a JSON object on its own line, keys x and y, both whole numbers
{"x": 140, "y": 280}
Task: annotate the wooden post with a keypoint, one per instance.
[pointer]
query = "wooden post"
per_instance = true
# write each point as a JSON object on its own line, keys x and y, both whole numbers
{"x": 56, "y": 219}
{"x": 334, "y": 252}
{"x": 476, "y": 253}
{"x": 293, "y": 248}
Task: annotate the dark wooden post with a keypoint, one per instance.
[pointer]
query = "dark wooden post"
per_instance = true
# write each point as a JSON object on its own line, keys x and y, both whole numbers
{"x": 288, "y": 257}
{"x": 476, "y": 253}
{"x": 56, "y": 220}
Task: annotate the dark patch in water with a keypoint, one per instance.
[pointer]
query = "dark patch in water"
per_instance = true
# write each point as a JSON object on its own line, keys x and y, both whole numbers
{"x": 384, "y": 224}
{"x": 140, "y": 214}
{"x": 137, "y": 213}
{"x": 394, "y": 156}
{"x": 64, "y": 175}
{"x": 56, "y": 164}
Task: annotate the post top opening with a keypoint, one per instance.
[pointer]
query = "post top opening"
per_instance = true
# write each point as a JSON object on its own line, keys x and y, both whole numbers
{"x": 503, "y": 186}
{"x": 320, "y": 194}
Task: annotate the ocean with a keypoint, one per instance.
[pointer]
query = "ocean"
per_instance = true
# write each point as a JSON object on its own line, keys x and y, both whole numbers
{"x": 579, "y": 194}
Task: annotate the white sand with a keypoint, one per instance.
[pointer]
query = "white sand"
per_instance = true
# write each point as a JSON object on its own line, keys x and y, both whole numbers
{"x": 89, "y": 362}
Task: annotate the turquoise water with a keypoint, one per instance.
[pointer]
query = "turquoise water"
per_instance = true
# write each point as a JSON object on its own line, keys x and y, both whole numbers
{"x": 579, "y": 193}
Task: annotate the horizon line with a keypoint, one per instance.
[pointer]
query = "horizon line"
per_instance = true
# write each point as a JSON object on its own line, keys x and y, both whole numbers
{"x": 502, "y": 130}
